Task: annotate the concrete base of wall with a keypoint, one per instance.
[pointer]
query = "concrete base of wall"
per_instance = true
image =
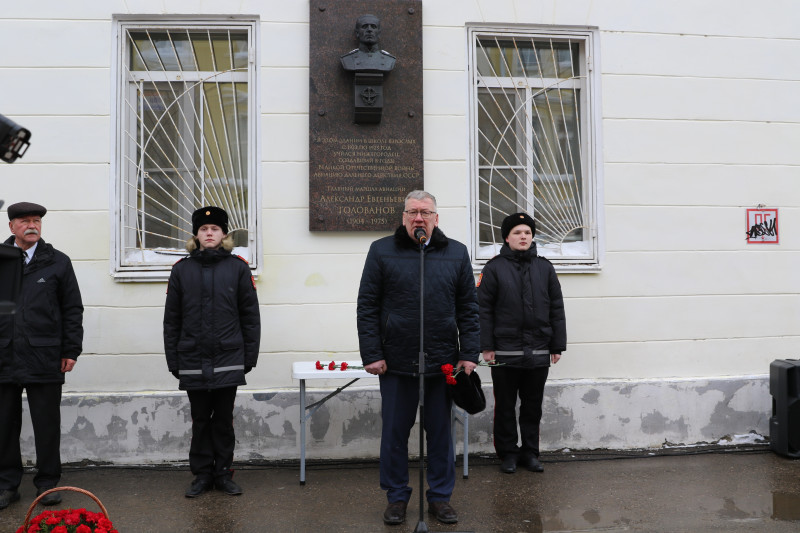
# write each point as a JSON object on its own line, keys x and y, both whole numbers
{"x": 155, "y": 427}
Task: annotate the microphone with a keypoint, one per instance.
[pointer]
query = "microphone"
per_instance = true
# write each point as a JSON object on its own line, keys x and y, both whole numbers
{"x": 421, "y": 235}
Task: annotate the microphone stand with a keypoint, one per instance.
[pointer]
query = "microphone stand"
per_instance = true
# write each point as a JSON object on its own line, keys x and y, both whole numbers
{"x": 422, "y": 527}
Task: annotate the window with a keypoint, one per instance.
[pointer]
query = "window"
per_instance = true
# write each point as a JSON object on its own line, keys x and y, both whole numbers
{"x": 535, "y": 140}
{"x": 186, "y": 137}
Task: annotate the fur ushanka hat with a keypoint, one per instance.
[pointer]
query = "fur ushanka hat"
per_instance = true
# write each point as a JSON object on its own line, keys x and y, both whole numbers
{"x": 209, "y": 215}
{"x": 512, "y": 221}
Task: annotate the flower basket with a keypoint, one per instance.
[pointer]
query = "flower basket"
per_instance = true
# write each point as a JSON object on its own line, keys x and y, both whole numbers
{"x": 67, "y": 520}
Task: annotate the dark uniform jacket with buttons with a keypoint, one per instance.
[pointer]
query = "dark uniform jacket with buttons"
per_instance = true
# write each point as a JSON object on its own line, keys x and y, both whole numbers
{"x": 212, "y": 325}
{"x": 371, "y": 61}
{"x": 388, "y": 304}
{"x": 521, "y": 308}
{"x": 48, "y": 323}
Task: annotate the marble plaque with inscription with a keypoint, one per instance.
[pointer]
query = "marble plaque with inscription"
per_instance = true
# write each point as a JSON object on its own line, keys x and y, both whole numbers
{"x": 359, "y": 173}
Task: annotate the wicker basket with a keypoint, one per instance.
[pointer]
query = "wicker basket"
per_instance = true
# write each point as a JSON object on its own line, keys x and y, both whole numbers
{"x": 26, "y": 524}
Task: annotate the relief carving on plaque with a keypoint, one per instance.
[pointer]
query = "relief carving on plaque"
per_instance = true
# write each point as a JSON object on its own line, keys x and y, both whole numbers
{"x": 369, "y": 65}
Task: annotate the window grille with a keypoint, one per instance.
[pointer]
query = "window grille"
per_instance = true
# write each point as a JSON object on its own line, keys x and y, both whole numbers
{"x": 187, "y": 137}
{"x": 532, "y": 128}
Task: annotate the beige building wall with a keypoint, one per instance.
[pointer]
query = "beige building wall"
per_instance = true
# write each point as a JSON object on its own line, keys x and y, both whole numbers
{"x": 699, "y": 122}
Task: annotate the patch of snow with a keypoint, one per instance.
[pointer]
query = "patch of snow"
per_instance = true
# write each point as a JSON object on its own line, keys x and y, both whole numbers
{"x": 748, "y": 438}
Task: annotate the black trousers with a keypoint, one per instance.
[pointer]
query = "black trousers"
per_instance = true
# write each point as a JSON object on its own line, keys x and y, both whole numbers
{"x": 399, "y": 407}
{"x": 213, "y": 438}
{"x": 44, "y": 403}
{"x": 527, "y": 384}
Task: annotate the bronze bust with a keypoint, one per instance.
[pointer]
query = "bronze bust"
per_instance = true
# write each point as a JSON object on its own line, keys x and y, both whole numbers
{"x": 368, "y": 57}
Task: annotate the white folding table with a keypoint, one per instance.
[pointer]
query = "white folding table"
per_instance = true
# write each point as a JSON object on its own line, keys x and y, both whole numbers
{"x": 304, "y": 370}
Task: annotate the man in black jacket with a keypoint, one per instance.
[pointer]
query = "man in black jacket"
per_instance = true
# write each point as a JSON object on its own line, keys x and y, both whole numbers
{"x": 388, "y": 332}
{"x": 523, "y": 327}
{"x": 38, "y": 345}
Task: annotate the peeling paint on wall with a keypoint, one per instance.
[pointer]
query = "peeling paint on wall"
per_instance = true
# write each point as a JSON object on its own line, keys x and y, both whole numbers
{"x": 656, "y": 423}
{"x": 156, "y": 427}
{"x": 591, "y": 396}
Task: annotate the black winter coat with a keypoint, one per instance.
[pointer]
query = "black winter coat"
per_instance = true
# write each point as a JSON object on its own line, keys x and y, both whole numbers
{"x": 388, "y": 304}
{"x": 522, "y": 309}
{"x": 48, "y": 323}
{"x": 212, "y": 325}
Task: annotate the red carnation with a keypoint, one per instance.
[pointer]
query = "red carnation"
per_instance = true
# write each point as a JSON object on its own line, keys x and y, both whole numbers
{"x": 344, "y": 365}
{"x": 72, "y": 519}
{"x": 319, "y": 366}
{"x": 447, "y": 370}
{"x": 83, "y": 528}
{"x": 451, "y": 380}
{"x": 332, "y": 366}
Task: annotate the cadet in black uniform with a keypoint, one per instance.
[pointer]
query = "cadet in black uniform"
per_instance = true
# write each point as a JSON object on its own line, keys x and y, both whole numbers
{"x": 523, "y": 327}
{"x": 212, "y": 330}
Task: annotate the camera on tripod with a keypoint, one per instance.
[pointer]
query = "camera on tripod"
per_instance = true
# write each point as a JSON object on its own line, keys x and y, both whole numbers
{"x": 14, "y": 140}
{"x": 10, "y": 278}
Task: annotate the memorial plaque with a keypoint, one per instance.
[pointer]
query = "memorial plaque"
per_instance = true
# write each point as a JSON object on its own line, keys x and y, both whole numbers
{"x": 365, "y": 127}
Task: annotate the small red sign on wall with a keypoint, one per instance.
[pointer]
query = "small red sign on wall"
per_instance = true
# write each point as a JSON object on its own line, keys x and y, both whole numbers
{"x": 762, "y": 226}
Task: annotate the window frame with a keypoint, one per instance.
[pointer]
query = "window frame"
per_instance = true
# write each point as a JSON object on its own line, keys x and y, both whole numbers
{"x": 124, "y": 117}
{"x": 590, "y": 119}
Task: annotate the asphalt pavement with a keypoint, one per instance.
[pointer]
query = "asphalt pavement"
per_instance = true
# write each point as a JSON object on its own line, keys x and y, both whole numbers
{"x": 705, "y": 490}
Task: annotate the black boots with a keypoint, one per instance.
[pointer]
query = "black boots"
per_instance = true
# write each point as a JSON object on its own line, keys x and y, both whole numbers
{"x": 198, "y": 487}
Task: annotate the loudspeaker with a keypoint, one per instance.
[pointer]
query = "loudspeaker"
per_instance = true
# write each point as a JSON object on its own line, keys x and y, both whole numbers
{"x": 10, "y": 278}
{"x": 784, "y": 425}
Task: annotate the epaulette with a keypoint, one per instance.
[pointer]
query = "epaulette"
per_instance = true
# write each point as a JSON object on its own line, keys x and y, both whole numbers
{"x": 252, "y": 278}
{"x": 384, "y": 52}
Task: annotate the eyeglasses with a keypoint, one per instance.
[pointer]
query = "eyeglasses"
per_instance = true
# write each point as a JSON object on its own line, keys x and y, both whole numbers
{"x": 424, "y": 214}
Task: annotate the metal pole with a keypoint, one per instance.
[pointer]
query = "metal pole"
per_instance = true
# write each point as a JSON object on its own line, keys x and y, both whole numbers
{"x": 422, "y": 527}
{"x": 303, "y": 419}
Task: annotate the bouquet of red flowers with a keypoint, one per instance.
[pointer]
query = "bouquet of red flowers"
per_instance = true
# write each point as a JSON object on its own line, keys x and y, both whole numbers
{"x": 447, "y": 370}
{"x": 67, "y": 520}
{"x": 451, "y": 372}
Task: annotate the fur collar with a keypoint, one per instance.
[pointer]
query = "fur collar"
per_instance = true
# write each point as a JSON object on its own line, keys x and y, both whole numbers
{"x": 438, "y": 239}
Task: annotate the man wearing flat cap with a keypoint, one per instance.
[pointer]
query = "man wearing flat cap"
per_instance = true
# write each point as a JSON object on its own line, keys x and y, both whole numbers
{"x": 39, "y": 343}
